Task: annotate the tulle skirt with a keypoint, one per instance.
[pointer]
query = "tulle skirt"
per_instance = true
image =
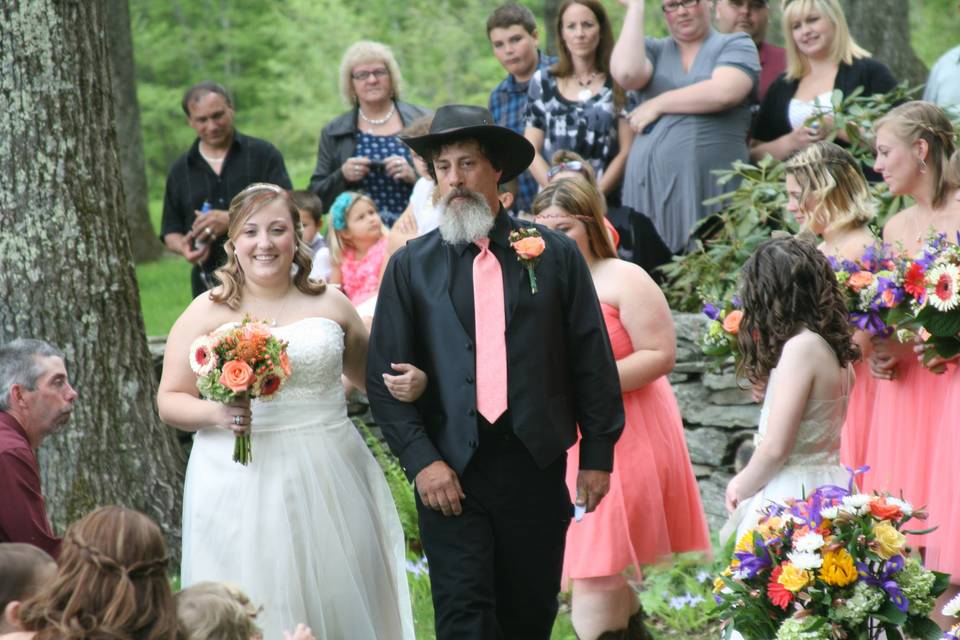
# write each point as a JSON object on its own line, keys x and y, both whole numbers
{"x": 308, "y": 529}
{"x": 653, "y": 508}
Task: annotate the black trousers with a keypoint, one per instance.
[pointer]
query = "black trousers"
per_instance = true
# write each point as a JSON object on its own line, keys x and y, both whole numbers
{"x": 495, "y": 569}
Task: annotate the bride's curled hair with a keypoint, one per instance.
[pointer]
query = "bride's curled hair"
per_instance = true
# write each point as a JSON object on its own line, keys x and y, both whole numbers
{"x": 788, "y": 284}
{"x": 245, "y": 204}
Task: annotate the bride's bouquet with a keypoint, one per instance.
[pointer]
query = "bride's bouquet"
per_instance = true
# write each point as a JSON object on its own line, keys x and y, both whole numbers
{"x": 240, "y": 361}
{"x": 833, "y": 566}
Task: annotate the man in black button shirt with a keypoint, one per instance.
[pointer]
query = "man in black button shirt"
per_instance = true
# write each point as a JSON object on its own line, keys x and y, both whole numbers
{"x": 221, "y": 163}
{"x": 492, "y": 498}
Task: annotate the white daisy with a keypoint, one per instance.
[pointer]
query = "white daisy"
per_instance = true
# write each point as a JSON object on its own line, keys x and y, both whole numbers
{"x": 905, "y": 506}
{"x": 952, "y": 608}
{"x": 942, "y": 287}
{"x": 830, "y": 513}
{"x": 808, "y": 542}
{"x": 805, "y": 560}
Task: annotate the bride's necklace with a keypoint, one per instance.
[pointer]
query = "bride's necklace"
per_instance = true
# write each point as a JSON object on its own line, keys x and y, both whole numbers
{"x": 272, "y": 321}
{"x": 585, "y": 92}
{"x": 377, "y": 121}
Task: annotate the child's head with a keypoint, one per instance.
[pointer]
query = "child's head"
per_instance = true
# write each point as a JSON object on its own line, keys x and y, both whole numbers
{"x": 216, "y": 611}
{"x": 310, "y": 208}
{"x": 507, "y": 192}
{"x": 24, "y": 571}
{"x": 354, "y": 223}
{"x": 417, "y": 128}
{"x": 786, "y": 285}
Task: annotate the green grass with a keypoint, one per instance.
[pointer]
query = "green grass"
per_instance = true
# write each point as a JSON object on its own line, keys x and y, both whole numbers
{"x": 164, "y": 292}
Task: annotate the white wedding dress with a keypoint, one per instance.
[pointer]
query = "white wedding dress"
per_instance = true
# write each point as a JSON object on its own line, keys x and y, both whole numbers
{"x": 814, "y": 461}
{"x": 308, "y": 529}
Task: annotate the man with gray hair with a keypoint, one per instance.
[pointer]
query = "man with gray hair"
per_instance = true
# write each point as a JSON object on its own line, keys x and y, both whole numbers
{"x": 36, "y": 400}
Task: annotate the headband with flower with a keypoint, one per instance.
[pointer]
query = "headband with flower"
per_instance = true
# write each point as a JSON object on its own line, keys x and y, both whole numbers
{"x": 341, "y": 206}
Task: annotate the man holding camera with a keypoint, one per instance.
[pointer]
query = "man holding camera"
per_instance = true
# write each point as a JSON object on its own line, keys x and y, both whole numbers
{"x": 221, "y": 163}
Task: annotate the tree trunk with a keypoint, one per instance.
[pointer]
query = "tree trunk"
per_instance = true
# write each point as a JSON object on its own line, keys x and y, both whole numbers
{"x": 66, "y": 270}
{"x": 143, "y": 239}
{"x": 550, "y": 9}
{"x": 883, "y": 28}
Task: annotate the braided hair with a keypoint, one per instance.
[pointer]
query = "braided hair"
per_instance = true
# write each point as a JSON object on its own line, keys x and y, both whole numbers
{"x": 788, "y": 284}
{"x": 111, "y": 583}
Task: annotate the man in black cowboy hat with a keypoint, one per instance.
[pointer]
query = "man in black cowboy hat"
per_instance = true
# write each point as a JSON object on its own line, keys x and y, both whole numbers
{"x": 516, "y": 356}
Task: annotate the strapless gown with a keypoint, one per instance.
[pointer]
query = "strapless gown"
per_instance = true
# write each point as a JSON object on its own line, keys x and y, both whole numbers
{"x": 308, "y": 529}
{"x": 814, "y": 461}
{"x": 653, "y": 508}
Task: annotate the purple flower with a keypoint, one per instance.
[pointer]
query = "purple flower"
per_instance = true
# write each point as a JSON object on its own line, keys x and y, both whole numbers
{"x": 751, "y": 565}
{"x": 884, "y": 580}
{"x": 736, "y": 302}
{"x": 711, "y": 311}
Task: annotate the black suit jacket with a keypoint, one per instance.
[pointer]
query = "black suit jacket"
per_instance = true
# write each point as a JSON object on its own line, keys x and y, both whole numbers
{"x": 560, "y": 367}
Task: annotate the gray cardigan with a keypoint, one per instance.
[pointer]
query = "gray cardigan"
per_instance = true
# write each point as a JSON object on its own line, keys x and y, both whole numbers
{"x": 337, "y": 143}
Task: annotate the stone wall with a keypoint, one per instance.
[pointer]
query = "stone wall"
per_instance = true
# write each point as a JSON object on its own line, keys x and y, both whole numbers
{"x": 719, "y": 419}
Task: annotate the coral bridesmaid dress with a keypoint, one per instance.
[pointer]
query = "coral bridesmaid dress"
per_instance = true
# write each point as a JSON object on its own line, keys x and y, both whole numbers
{"x": 653, "y": 508}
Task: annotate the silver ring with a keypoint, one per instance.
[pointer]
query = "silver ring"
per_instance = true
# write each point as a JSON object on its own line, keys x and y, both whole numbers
{"x": 238, "y": 420}
{"x": 208, "y": 231}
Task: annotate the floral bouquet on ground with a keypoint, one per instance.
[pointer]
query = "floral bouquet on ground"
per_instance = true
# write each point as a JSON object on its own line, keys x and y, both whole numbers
{"x": 240, "y": 361}
{"x": 931, "y": 283}
{"x": 832, "y": 566}
{"x": 872, "y": 287}
{"x": 719, "y": 343}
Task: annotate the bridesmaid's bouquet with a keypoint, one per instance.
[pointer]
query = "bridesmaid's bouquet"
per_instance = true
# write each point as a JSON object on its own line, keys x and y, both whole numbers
{"x": 832, "y": 566}
{"x": 930, "y": 282}
{"x": 240, "y": 361}
{"x": 873, "y": 287}
{"x": 719, "y": 343}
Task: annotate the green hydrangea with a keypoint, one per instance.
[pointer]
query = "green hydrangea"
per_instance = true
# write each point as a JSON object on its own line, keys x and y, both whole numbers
{"x": 796, "y": 629}
{"x": 855, "y": 609}
{"x": 915, "y": 583}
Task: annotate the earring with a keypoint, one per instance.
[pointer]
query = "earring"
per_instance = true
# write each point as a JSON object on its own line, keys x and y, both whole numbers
{"x": 923, "y": 165}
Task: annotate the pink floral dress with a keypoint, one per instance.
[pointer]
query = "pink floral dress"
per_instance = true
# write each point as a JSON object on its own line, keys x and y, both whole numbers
{"x": 360, "y": 279}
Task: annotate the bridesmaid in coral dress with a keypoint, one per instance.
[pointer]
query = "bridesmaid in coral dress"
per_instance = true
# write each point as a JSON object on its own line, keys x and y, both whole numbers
{"x": 829, "y": 197}
{"x": 914, "y": 144}
{"x": 653, "y": 508}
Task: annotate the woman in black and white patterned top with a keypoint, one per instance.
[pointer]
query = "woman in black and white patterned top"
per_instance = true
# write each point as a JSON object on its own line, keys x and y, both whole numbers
{"x": 575, "y": 104}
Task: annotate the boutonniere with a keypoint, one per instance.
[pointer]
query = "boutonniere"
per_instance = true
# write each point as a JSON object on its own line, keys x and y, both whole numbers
{"x": 529, "y": 245}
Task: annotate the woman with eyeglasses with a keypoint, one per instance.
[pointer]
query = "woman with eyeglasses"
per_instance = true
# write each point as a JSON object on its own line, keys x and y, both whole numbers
{"x": 821, "y": 57}
{"x": 359, "y": 150}
{"x": 575, "y": 104}
{"x": 695, "y": 88}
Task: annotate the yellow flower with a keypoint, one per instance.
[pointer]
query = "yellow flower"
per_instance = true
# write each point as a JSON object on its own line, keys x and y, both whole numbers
{"x": 889, "y": 541}
{"x": 745, "y": 543}
{"x": 838, "y": 569}
{"x": 770, "y": 527}
{"x": 794, "y": 579}
{"x": 718, "y": 585}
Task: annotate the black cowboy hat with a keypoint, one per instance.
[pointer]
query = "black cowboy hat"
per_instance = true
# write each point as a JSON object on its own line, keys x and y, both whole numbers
{"x": 453, "y": 122}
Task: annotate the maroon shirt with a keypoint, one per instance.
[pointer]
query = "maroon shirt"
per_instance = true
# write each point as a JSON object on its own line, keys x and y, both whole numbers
{"x": 773, "y": 62}
{"x": 23, "y": 513}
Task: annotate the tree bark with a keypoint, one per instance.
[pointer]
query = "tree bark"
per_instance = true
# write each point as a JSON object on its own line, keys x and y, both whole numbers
{"x": 883, "y": 28}
{"x": 66, "y": 270}
{"x": 143, "y": 239}
{"x": 550, "y": 9}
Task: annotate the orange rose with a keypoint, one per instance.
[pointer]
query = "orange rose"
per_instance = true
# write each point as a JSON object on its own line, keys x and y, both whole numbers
{"x": 731, "y": 324}
{"x": 237, "y": 376}
{"x": 859, "y": 280}
{"x": 530, "y": 247}
{"x": 285, "y": 363}
{"x": 884, "y": 511}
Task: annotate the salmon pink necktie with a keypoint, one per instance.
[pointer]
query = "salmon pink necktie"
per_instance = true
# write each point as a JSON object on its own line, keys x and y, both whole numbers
{"x": 490, "y": 330}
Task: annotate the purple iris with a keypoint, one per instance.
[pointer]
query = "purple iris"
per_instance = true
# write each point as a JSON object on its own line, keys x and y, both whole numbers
{"x": 870, "y": 321}
{"x": 750, "y": 565}
{"x": 886, "y": 284}
{"x": 736, "y": 302}
{"x": 931, "y": 250}
{"x": 711, "y": 311}
{"x": 853, "y": 475}
{"x": 884, "y": 580}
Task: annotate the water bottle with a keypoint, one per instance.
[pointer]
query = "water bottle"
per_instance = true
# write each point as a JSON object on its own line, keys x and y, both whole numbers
{"x": 201, "y": 241}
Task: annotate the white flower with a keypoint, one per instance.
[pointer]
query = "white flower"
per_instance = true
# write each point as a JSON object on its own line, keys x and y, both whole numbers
{"x": 808, "y": 542}
{"x": 905, "y": 506}
{"x": 830, "y": 513}
{"x": 856, "y": 504}
{"x": 943, "y": 281}
{"x": 805, "y": 560}
{"x": 203, "y": 359}
{"x": 952, "y": 608}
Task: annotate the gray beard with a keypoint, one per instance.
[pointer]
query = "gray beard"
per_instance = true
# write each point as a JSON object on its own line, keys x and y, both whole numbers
{"x": 465, "y": 221}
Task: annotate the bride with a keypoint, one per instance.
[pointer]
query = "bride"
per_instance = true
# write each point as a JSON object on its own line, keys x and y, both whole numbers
{"x": 308, "y": 528}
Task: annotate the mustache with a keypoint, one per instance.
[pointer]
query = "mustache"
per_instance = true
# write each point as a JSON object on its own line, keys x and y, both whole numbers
{"x": 462, "y": 192}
